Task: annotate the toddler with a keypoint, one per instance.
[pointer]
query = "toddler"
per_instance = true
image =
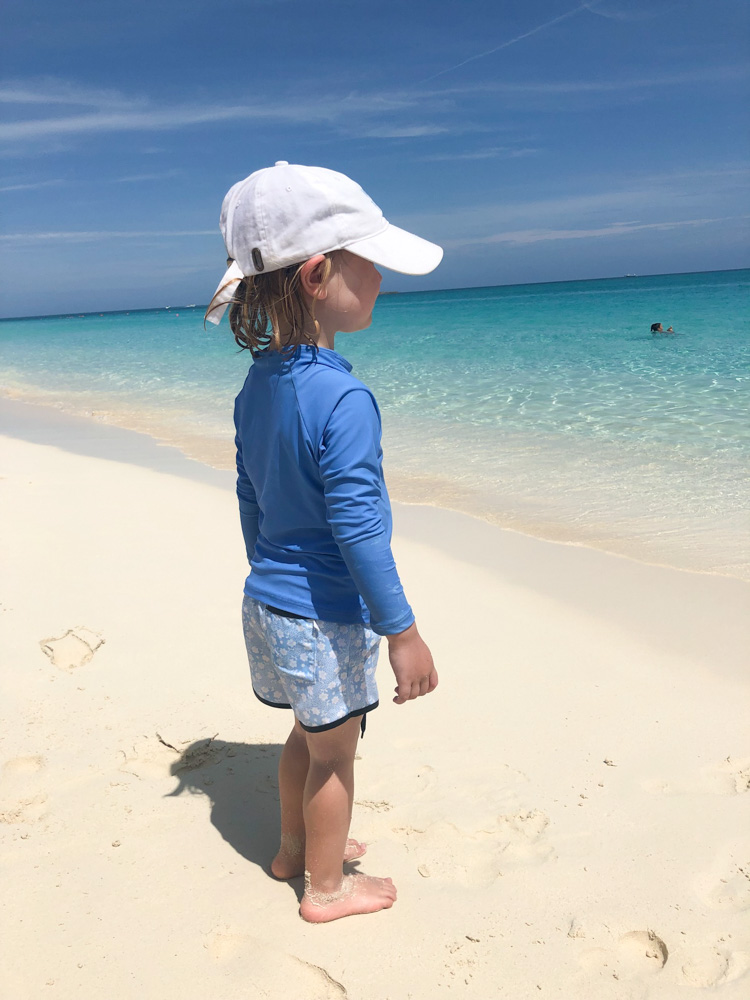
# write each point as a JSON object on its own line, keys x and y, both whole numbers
{"x": 303, "y": 243}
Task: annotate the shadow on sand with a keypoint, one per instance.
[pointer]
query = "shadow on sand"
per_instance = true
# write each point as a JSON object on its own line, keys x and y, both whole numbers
{"x": 241, "y": 781}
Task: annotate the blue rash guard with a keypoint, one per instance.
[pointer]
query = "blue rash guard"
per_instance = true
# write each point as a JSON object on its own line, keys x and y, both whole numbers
{"x": 314, "y": 508}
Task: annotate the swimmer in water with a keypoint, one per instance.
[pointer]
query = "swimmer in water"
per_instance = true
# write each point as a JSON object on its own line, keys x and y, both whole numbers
{"x": 658, "y": 328}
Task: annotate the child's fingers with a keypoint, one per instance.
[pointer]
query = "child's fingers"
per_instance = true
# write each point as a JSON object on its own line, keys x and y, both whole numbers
{"x": 408, "y": 692}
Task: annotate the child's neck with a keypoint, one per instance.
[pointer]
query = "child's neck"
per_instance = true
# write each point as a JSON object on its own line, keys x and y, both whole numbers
{"x": 324, "y": 339}
{"x": 320, "y": 337}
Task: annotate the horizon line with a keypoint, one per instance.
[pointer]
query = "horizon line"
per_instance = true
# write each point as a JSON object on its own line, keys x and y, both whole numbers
{"x": 75, "y": 314}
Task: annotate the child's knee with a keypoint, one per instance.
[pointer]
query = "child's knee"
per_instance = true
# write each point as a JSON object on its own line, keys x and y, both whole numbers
{"x": 335, "y": 747}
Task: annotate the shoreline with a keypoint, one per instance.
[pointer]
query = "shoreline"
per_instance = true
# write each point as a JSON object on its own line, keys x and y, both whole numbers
{"x": 208, "y": 453}
{"x": 651, "y": 594}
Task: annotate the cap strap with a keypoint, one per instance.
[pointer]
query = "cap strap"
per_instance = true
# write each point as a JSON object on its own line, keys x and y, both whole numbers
{"x": 224, "y": 293}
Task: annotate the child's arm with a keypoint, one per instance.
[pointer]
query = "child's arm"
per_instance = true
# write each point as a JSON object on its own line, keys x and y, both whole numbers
{"x": 249, "y": 510}
{"x": 350, "y": 467}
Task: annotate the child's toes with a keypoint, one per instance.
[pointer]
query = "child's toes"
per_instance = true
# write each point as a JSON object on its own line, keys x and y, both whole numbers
{"x": 354, "y": 849}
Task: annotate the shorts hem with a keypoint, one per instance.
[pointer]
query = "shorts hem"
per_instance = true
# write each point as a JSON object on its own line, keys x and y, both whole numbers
{"x": 272, "y": 704}
{"x": 339, "y": 722}
{"x": 327, "y": 725}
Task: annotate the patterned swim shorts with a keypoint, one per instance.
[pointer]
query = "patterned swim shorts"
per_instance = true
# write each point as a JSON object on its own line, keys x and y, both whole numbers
{"x": 323, "y": 671}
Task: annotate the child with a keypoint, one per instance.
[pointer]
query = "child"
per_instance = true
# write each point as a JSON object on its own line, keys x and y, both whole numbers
{"x": 303, "y": 243}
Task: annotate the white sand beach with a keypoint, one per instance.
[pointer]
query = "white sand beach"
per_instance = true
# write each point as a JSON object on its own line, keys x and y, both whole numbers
{"x": 568, "y": 815}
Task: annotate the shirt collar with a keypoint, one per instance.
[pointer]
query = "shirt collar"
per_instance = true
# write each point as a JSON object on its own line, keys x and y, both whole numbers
{"x": 306, "y": 354}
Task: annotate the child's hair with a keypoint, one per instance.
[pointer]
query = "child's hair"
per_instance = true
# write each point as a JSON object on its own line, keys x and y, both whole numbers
{"x": 271, "y": 311}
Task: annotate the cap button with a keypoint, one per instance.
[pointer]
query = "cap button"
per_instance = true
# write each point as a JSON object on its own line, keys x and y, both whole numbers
{"x": 281, "y": 163}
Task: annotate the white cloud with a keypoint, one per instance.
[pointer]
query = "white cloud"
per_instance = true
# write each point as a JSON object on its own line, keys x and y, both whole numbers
{"x": 138, "y": 178}
{"x": 629, "y": 10}
{"x": 647, "y": 197}
{"x": 31, "y": 186}
{"x": 125, "y": 121}
{"x": 526, "y": 236}
{"x": 657, "y": 81}
{"x": 93, "y": 236}
{"x": 402, "y": 131}
{"x": 377, "y": 115}
{"x": 496, "y": 153}
{"x": 53, "y": 90}
{"x": 114, "y": 112}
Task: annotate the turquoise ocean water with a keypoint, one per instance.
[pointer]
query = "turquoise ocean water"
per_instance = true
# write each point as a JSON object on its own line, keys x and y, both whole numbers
{"x": 548, "y": 408}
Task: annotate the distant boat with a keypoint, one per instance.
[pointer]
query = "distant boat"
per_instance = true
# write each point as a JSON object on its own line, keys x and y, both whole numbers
{"x": 631, "y": 275}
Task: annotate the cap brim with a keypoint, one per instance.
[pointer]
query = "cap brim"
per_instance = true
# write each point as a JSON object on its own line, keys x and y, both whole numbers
{"x": 399, "y": 250}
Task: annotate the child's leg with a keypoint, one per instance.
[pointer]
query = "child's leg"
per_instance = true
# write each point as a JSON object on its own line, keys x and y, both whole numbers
{"x": 293, "y": 766}
{"x": 327, "y": 809}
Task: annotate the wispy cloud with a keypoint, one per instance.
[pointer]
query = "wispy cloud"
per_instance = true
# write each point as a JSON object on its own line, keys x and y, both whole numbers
{"x": 496, "y": 153}
{"x": 377, "y": 115}
{"x": 526, "y": 236}
{"x": 32, "y": 185}
{"x": 100, "y": 236}
{"x": 127, "y": 121}
{"x": 510, "y": 41}
{"x": 656, "y": 81}
{"x": 139, "y": 178}
{"x": 643, "y": 11}
{"x": 112, "y": 112}
{"x": 54, "y": 90}
{"x": 402, "y": 131}
{"x": 605, "y": 8}
{"x": 672, "y": 199}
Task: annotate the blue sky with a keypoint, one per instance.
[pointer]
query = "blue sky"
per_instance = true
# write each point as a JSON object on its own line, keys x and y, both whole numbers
{"x": 537, "y": 140}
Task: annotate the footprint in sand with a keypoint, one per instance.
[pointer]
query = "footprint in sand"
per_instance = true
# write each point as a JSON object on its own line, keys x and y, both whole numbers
{"x": 443, "y": 852}
{"x": 21, "y": 800}
{"x": 735, "y": 772}
{"x": 514, "y": 841}
{"x": 523, "y": 839}
{"x": 730, "y": 777}
{"x": 710, "y": 965}
{"x": 425, "y": 779}
{"x": 72, "y": 649}
{"x": 29, "y": 810}
{"x": 22, "y": 765}
{"x": 726, "y": 886}
{"x": 147, "y": 757}
{"x": 636, "y": 954}
{"x": 266, "y": 972}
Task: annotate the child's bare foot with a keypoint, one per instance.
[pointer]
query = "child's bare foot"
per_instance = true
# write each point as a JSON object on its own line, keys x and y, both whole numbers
{"x": 358, "y": 894}
{"x": 290, "y": 861}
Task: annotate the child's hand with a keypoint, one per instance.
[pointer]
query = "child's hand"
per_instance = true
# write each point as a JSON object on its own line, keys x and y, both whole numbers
{"x": 412, "y": 664}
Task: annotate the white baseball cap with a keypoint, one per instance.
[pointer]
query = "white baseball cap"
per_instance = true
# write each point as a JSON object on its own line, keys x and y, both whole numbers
{"x": 285, "y": 214}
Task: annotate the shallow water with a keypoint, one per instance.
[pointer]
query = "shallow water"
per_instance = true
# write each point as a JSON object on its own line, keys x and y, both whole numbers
{"x": 548, "y": 408}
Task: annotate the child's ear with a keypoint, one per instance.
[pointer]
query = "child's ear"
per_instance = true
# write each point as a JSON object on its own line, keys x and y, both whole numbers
{"x": 311, "y": 277}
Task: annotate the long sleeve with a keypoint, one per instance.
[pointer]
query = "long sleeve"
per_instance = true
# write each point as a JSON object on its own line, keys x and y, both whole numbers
{"x": 249, "y": 510}
{"x": 350, "y": 466}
